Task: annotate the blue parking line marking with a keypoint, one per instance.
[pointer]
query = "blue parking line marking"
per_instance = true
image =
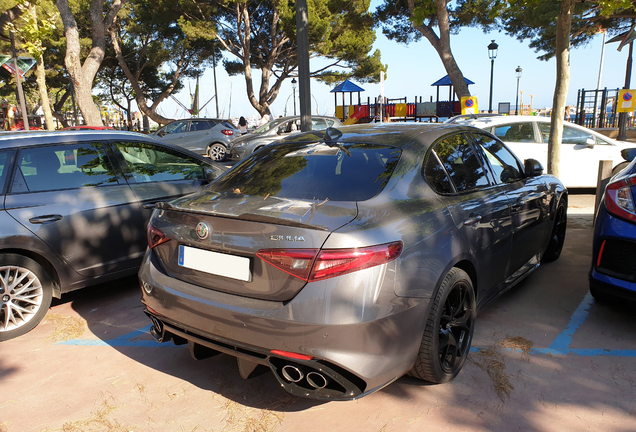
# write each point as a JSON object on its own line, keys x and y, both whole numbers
{"x": 563, "y": 341}
{"x": 127, "y": 340}
{"x": 583, "y": 352}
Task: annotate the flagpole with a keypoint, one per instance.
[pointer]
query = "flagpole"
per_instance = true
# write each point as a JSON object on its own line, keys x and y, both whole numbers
{"x": 600, "y": 68}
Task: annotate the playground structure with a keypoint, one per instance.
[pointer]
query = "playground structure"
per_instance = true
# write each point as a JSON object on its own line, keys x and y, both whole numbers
{"x": 395, "y": 109}
{"x": 597, "y": 109}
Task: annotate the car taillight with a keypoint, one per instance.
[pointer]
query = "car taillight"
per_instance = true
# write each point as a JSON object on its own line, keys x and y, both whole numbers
{"x": 155, "y": 236}
{"x": 296, "y": 262}
{"x": 619, "y": 200}
{"x": 329, "y": 262}
{"x": 227, "y": 132}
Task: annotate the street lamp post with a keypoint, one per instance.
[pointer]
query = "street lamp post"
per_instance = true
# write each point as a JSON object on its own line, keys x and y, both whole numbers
{"x": 294, "y": 82}
{"x": 518, "y": 75}
{"x": 492, "y": 55}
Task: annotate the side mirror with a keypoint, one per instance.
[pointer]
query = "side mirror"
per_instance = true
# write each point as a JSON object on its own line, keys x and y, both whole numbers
{"x": 590, "y": 142}
{"x": 628, "y": 154}
{"x": 210, "y": 175}
{"x": 532, "y": 168}
{"x": 281, "y": 130}
{"x": 161, "y": 134}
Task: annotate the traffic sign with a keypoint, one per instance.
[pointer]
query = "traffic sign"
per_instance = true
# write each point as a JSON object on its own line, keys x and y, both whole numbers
{"x": 469, "y": 105}
{"x": 626, "y": 101}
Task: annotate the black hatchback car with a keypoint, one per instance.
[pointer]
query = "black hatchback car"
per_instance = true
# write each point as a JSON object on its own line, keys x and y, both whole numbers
{"x": 73, "y": 212}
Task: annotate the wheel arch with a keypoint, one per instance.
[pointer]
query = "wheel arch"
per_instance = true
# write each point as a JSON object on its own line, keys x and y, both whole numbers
{"x": 469, "y": 268}
{"x": 50, "y": 269}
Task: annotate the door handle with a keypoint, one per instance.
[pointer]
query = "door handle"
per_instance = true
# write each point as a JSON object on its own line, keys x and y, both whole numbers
{"x": 472, "y": 221}
{"x": 45, "y": 219}
{"x": 517, "y": 206}
{"x": 148, "y": 205}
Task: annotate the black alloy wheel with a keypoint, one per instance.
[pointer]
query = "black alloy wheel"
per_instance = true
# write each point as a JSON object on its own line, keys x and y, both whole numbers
{"x": 449, "y": 330}
{"x": 557, "y": 237}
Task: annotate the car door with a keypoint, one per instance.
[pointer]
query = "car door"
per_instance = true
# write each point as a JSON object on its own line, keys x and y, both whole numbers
{"x": 528, "y": 198}
{"x": 479, "y": 208}
{"x": 523, "y": 139}
{"x": 199, "y": 136}
{"x": 74, "y": 199}
{"x": 580, "y": 154}
{"x": 160, "y": 173}
{"x": 174, "y": 132}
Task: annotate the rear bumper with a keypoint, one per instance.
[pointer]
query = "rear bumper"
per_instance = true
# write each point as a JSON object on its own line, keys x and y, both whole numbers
{"x": 358, "y": 355}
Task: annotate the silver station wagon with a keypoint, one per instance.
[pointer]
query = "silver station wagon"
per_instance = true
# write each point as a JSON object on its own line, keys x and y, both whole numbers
{"x": 73, "y": 212}
{"x": 346, "y": 258}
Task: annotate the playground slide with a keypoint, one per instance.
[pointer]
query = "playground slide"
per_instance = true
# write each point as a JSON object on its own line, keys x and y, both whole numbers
{"x": 357, "y": 115}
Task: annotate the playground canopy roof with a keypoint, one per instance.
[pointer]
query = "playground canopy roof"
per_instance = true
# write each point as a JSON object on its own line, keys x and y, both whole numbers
{"x": 446, "y": 81}
{"x": 347, "y": 86}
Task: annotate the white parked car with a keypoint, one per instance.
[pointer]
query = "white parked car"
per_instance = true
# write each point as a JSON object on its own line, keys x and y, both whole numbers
{"x": 581, "y": 148}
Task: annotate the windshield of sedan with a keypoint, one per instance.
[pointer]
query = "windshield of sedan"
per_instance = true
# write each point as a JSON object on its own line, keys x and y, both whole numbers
{"x": 268, "y": 126}
{"x": 334, "y": 172}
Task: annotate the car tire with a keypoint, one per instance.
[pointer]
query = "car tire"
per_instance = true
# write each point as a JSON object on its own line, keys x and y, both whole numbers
{"x": 217, "y": 152}
{"x": 25, "y": 295}
{"x": 618, "y": 168}
{"x": 449, "y": 330}
{"x": 557, "y": 236}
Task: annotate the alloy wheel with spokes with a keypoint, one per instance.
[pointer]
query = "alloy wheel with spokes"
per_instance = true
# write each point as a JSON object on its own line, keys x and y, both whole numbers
{"x": 217, "y": 152}
{"x": 25, "y": 295}
{"x": 455, "y": 328}
{"x": 557, "y": 237}
{"x": 449, "y": 330}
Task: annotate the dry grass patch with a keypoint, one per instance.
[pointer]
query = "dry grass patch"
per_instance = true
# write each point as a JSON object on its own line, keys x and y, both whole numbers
{"x": 491, "y": 361}
{"x": 66, "y": 327}
{"x": 97, "y": 422}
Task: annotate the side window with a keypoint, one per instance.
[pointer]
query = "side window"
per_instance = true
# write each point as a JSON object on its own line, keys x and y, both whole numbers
{"x": 199, "y": 125}
{"x": 151, "y": 163}
{"x": 436, "y": 176}
{"x": 177, "y": 127}
{"x": 600, "y": 141}
{"x": 318, "y": 124}
{"x": 576, "y": 136}
{"x": 4, "y": 168}
{"x": 545, "y": 131}
{"x": 64, "y": 167}
{"x": 506, "y": 168}
{"x": 461, "y": 163}
{"x": 516, "y": 132}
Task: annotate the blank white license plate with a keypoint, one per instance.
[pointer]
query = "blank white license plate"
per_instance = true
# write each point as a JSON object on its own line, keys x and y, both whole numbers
{"x": 215, "y": 263}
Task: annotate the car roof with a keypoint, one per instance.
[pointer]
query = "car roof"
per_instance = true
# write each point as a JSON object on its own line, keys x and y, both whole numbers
{"x": 389, "y": 134}
{"x": 29, "y": 138}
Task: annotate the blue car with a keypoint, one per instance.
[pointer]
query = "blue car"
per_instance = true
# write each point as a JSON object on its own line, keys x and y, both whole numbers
{"x": 613, "y": 272}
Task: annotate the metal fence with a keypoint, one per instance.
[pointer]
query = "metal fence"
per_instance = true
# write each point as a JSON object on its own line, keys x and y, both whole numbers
{"x": 597, "y": 109}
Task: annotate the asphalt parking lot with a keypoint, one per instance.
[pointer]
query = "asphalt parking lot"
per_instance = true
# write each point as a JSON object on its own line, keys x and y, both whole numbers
{"x": 546, "y": 357}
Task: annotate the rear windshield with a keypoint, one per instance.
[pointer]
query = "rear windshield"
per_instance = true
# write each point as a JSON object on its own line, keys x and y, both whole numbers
{"x": 347, "y": 172}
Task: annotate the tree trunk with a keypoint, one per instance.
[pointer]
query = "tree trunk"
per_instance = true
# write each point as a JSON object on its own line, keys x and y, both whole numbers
{"x": 564, "y": 26}
{"x": 44, "y": 94}
{"x": 41, "y": 78}
{"x": 443, "y": 47}
{"x": 142, "y": 103}
{"x": 83, "y": 75}
{"x": 57, "y": 109}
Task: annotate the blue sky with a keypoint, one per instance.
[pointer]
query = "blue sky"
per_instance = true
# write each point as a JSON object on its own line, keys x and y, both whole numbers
{"x": 413, "y": 68}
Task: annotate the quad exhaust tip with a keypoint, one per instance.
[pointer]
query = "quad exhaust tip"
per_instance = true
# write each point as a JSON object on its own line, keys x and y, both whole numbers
{"x": 292, "y": 373}
{"x": 316, "y": 380}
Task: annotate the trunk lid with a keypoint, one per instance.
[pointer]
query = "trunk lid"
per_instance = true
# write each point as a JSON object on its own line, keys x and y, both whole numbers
{"x": 238, "y": 227}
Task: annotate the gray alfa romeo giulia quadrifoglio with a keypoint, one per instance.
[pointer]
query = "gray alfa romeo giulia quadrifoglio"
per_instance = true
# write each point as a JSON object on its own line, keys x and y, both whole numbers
{"x": 346, "y": 258}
